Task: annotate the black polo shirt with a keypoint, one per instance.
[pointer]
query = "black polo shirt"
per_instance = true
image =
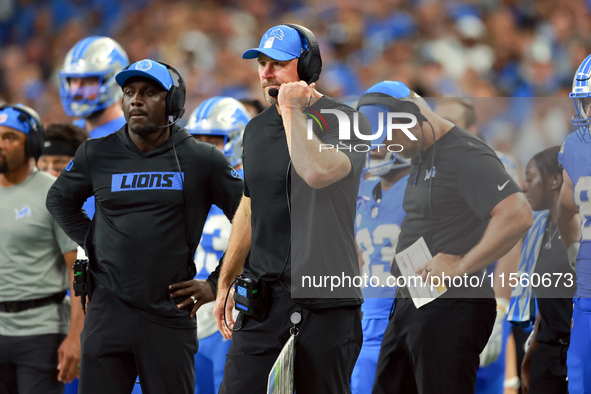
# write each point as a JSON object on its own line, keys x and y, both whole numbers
{"x": 448, "y": 199}
{"x": 297, "y": 230}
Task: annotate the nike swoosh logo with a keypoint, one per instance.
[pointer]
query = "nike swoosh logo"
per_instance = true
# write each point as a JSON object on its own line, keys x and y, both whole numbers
{"x": 503, "y": 186}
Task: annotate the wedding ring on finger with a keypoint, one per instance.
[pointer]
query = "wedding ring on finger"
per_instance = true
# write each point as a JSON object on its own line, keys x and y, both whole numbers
{"x": 194, "y": 299}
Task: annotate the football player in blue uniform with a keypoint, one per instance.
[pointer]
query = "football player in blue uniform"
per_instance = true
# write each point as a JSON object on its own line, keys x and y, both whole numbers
{"x": 219, "y": 121}
{"x": 377, "y": 225}
{"x": 88, "y": 89}
{"x": 574, "y": 222}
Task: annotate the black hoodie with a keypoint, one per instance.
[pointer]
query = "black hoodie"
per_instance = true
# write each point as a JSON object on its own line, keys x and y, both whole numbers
{"x": 148, "y": 218}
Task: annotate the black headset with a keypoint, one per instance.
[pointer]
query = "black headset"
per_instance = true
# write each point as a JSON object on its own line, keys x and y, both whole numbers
{"x": 175, "y": 98}
{"x": 402, "y": 104}
{"x": 36, "y": 136}
{"x": 310, "y": 62}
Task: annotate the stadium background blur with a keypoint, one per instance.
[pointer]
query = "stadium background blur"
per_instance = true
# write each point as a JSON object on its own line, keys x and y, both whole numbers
{"x": 470, "y": 48}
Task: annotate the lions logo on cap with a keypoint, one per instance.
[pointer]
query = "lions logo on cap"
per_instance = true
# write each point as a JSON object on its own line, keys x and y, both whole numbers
{"x": 144, "y": 65}
{"x": 277, "y": 33}
{"x": 3, "y": 118}
{"x": 274, "y": 34}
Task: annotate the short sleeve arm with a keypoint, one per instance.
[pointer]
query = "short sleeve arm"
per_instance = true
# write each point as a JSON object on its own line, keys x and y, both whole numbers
{"x": 351, "y": 147}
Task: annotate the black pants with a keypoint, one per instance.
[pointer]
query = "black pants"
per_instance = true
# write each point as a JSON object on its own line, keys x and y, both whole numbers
{"x": 118, "y": 343}
{"x": 433, "y": 349}
{"x": 327, "y": 347}
{"x": 547, "y": 372}
{"x": 28, "y": 364}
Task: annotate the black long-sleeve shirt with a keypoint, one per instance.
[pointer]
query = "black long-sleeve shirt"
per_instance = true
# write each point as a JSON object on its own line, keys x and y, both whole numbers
{"x": 150, "y": 211}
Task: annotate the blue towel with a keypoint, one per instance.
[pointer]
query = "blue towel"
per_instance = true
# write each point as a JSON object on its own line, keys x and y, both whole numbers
{"x": 521, "y": 309}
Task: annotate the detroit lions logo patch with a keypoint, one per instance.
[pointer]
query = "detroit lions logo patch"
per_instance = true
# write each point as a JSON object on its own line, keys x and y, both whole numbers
{"x": 147, "y": 181}
{"x": 25, "y": 211}
{"x": 143, "y": 65}
{"x": 430, "y": 173}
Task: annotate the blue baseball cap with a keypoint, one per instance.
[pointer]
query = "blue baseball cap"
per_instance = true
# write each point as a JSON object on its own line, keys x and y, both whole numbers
{"x": 148, "y": 69}
{"x": 9, "y": 117}
{"x": 392, "y": 88}
{"x": 279, "y": 43}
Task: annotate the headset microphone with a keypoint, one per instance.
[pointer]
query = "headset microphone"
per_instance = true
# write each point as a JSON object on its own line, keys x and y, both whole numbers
{"x": 273, "y": 92}
{"x": 152, "y": 127}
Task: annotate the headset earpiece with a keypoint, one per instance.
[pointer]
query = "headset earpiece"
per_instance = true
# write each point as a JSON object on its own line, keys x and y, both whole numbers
{"x": 310, "y": 62}
{"x": 36, "y": 136}
{"x": 411, "y": 107}
{"x": 175, "y": 100}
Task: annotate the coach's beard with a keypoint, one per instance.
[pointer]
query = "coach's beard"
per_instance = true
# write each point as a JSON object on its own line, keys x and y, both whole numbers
{"x": 144, "y": 130}
{"x": 269, "y": 99}
{"x": 410, "y": 151}
{"x": 413, "y": 147}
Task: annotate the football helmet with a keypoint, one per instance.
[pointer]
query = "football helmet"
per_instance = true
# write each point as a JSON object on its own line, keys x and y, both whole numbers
{"x": 225, "y": 117}
{"x": 233, "y": 151}
{"x": 581, "y": 90}
{"x": 392, "y": 160}
{"x": 95, "y": 56}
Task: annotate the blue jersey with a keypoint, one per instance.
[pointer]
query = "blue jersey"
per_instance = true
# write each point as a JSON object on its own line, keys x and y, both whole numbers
{"x": 214, "y": 240}
{"x": 575, "y": 158}
{"x": 377, "y": 226}
{"x": 102, "y": 130}
{"x": 108, "y": 128}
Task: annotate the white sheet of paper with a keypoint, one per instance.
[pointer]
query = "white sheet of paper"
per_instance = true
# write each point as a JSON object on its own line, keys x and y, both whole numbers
{"x": 409, "y": 261}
